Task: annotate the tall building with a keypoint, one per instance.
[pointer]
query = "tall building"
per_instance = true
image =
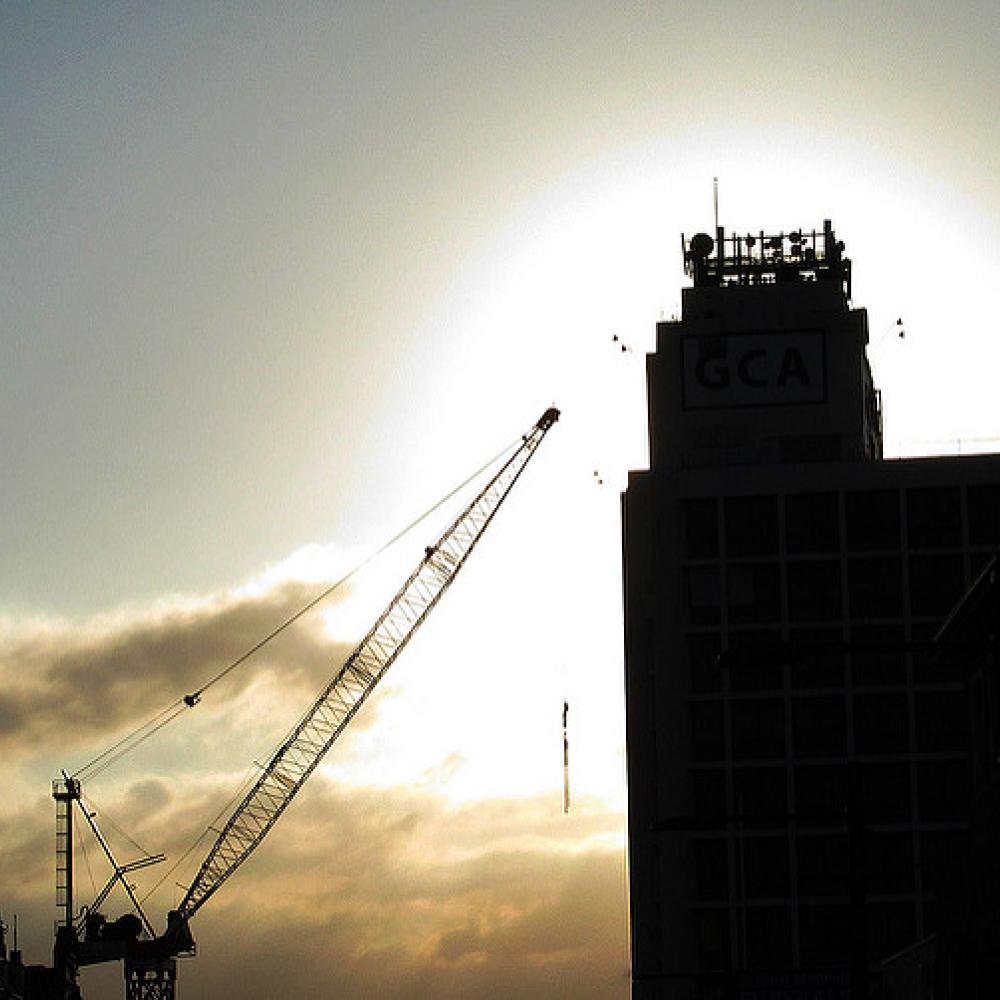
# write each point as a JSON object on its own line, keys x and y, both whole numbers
{"x": 798, "y": 756}
{"x": 967, "y": 949}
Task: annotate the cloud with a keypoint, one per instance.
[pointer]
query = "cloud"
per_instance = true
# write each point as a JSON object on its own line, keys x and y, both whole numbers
{"x": 360, "y": 892}
{"x": 378, "y": 889}
{"x": 24, "y": 867}
{"x": 367, "y": 894}
{"x": 69, "y": 684}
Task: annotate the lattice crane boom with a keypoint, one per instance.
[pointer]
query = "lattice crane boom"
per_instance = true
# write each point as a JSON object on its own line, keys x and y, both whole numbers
{"x": 301, "y": 752}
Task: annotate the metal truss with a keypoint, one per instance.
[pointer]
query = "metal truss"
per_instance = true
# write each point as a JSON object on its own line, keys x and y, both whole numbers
{"x": 312, "y": 737}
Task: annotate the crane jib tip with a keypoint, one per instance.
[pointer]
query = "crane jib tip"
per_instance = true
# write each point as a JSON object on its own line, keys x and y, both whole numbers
{"x": 548, "y": 418}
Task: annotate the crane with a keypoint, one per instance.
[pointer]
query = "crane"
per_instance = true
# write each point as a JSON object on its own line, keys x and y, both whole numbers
{"x": 150, "y": 966}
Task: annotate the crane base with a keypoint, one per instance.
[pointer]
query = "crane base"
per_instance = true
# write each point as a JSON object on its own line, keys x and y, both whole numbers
{"x": 150, "y": 979}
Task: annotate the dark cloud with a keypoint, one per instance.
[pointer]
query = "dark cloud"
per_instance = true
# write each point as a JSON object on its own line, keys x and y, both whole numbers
{"x": 25, "y": 866}
{"x": 67, "y": 684}
{"x": 149, "y": 797}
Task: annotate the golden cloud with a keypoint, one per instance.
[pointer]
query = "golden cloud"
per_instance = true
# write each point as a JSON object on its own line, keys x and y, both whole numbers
{"x": 67, "y": 684}
{"x": 394, "y": 891}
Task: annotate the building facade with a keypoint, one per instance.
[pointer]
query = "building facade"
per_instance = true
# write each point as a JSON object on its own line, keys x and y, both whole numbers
{"x": 798, "y": 756}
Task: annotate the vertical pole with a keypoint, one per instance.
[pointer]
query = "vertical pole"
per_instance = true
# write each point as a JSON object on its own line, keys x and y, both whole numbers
{"x": 65, "y": 791}
{"x": 68, "y": 915}
{"x": 565, "y": 759}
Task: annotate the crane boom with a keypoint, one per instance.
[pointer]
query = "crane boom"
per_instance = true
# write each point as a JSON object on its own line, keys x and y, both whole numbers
{"x": 303, "y": 749}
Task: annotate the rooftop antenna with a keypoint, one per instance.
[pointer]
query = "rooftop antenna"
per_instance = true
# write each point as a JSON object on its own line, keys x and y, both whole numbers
{"x": 715, "y": 200}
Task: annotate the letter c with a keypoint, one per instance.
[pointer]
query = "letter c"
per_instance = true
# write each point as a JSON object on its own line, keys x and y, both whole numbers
{"x": 746, "y": 375}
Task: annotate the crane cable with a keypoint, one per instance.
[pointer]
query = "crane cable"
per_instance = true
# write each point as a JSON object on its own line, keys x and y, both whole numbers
{"x": 130, "y": 741}
{"x": 236, "y": 796}
{"x": 136, "y": 737}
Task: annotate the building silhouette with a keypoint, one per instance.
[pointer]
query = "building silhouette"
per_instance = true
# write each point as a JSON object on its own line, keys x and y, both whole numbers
{"x": 800, "y": 776}
{"x": 966, "y": 949}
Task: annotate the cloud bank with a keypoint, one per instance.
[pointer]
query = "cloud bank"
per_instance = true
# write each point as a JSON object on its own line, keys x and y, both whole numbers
{"x": 74, "y": 683}
{"x": 359, "y": 891}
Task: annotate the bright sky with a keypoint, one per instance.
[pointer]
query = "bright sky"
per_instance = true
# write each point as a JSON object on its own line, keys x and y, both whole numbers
{"x": 278, "y": 276}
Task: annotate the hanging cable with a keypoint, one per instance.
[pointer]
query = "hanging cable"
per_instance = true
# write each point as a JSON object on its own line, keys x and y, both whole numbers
{"x": 233, "y": 799}
{"x": 91, "y": 772}
{"x": 565, "y": 735}
{"x": 125, "y": 739}
{"x": 86, "y": 858}
{"x": 114, "y": 826}
{"x": 129, "y": 742}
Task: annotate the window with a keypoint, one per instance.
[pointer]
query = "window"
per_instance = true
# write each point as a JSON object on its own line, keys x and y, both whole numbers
{"x": 942, "y": 721}
{"x": 702, "y": 653}
{"x": 891, "y": 927}
{"x": 876, "y": 588}
{"x": 758, "y": 728}
{"x": 877, "y": 655}
{"x": 707, "y": 730}
{"x": 888, "y": 868}
{"x": 872, "y": 520}
{"x": 821, "y": 794}
{"x": 930, "y": 668}
{"x": 819, "y": 727}
{"x": 936, "y": 584}
{"x": 703, "y": 595}
{"x": 751, "y": 526}
{"x": 711, "y": 862}
{"x": 701, "y": 530}
{"x": 713, "y": 938}
{"x": 764, "y": 862}
{"x": 760, "y": 795}
{"x": 708, "y": 790}
{"x": 934, "y": 518}
{"x": 943, "y": 788}
{"x": 820, "y": 666}
{"x": 942, "y": 859}
{"x": 881, "y": 724}
{"x": 812, "y": 523}
{"x": 769, "y": 937}
{"x": 753, "y": 593}
{"x": 883, "y": 792}
{"x": 759, "y": 658}
{"x": 824, "y": 865}
{"x": 984, "y": 515}
{"x": 825, "y": 934}
{"x": 814, "y": 591}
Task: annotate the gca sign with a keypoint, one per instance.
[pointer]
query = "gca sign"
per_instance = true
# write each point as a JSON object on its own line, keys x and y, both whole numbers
{"x": 753, "y": 369}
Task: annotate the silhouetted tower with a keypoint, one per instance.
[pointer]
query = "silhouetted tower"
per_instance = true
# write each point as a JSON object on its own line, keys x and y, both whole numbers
{"x": 786, "y": 811}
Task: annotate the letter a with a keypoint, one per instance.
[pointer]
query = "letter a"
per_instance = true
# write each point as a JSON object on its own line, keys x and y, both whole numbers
{"x": 792, "y": 366}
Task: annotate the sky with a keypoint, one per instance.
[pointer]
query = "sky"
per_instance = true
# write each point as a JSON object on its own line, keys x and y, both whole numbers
{"x": 273, "y": 279}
